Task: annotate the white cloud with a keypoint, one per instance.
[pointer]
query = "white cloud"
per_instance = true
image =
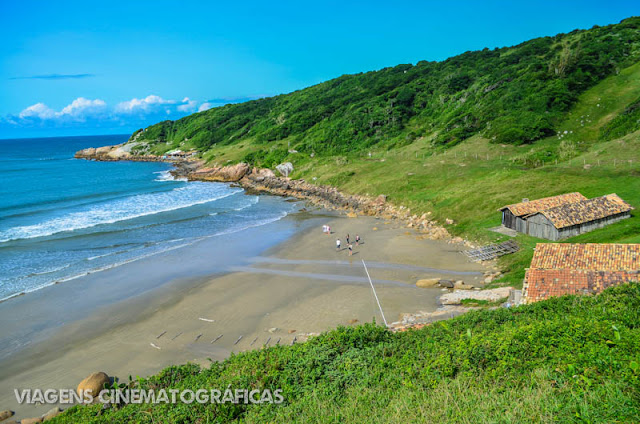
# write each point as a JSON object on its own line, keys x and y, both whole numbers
{"x": 39, "y": 110}
{"x": 205, "y": 106}
{"x": 81, "y": 107}
{"x": 188, "y": 105}
{"x": 147, "y": 104}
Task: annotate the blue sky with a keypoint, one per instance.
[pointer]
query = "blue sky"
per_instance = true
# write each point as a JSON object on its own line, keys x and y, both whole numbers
{"x": 72, "y": 68}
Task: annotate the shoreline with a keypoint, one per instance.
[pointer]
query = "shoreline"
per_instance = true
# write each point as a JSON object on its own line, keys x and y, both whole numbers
{"x": 308, "y": 288}
{"x": 264, "y": 181}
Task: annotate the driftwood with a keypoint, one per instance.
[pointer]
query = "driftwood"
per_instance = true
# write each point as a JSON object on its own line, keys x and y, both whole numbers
{"x": 155, "y": 345}
{"x": 176, "y": 336}
{"x": 254, "y": 340}
{"x": 197, "y": 337}
{"x": 217, "y": 338}
{"x": 239, "y": 338}
{"x": 161, "y": 334}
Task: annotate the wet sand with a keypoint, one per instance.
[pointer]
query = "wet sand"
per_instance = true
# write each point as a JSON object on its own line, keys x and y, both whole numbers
{"x": 303, "y": 285}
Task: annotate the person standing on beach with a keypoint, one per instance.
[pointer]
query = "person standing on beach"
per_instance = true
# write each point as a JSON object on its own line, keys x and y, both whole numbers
{"x": 338, "y": 244}
{"x": 350, "y": 250}
{"x": 347, "y": 238}
{"x": 357, "y": 240}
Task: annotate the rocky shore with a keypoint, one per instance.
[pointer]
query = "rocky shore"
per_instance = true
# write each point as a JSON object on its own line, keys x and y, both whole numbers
{"x": 258, "y": 180}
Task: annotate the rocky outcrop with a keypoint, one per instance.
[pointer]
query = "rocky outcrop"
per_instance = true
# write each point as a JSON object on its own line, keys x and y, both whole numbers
{"x": 285, "y": 169}
{"x": 93, "y": 384}
{"x": 231, "y": 173}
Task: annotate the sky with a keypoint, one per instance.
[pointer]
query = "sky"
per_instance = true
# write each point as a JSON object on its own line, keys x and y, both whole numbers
{"x": 111, "y": 67}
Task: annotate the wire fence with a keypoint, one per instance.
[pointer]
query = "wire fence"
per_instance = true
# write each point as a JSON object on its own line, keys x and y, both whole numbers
{"x": 463, "y": 158}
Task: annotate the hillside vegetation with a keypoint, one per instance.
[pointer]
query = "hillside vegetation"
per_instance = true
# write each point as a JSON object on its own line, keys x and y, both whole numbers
{"x": 510, "y": 95}
{"x": 570, "y": 359}
{"x": 457, "y": 139}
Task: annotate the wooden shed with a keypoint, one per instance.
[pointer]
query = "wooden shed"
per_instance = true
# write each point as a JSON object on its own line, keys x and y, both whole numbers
{"x": 559, "y": 269}
{"x": 513, "y": 215}
{"x": 572, "y": 219}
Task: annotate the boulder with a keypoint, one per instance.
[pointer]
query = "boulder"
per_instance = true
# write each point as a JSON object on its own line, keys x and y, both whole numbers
{"x": 119, "y": 153}
{"x": 52, "y": 413}
{"x": 6, "y": 414}
{"x": 427, "y": 282}
{"x": 449, "y": 221}
{"x": 446, "y": 284}
{"x": 285, "y": 169}
{"x": 380, "y": 200}
{"x": 461, "y": 285}
{"x": 31, "y": 420}
{"x": 229, "y": 173}
{"x": 260, "y": 174}
{"x": 93, "y": 384}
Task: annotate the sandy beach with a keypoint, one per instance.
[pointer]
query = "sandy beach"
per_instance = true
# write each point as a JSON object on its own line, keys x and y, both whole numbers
{"x": 302, "y": 285}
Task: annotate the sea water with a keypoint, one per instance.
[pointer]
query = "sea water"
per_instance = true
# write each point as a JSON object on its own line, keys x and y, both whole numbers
{"x": 62, "y": 218}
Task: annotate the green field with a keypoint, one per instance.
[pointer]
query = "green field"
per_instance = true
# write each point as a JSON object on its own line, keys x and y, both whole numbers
{"x": 570, "y": 359}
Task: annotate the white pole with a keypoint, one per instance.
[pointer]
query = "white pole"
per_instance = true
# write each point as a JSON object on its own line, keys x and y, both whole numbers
{"x": 374, "y": 293}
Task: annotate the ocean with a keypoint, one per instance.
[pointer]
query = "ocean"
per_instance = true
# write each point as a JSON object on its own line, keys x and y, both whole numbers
{"x": 63, "y": 218}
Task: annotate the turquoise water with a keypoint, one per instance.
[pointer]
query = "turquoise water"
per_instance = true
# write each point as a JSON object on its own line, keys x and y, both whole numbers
{"x": 62, "y": 218}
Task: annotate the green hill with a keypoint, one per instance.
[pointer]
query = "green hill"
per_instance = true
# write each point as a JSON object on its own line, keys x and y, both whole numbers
{"x": 509, "y": 95}
{"x": 570, "y": 359}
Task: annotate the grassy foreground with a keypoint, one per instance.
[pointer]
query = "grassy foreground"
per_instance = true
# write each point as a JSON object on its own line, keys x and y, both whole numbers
{"x": 569, "y": 359}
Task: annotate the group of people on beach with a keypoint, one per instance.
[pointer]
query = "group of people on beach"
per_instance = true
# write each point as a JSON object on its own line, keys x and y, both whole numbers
{"x": 327, "y": 230}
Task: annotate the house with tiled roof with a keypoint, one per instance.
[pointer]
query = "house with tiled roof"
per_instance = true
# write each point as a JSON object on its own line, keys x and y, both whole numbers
{"x": 513, "y": 215}
{"x": 572, "y": 219}
{"x": 559, "y": 269}
{"x": 559, "y": 217}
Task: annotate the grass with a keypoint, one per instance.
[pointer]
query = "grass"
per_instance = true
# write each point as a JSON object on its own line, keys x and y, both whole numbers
{"x": 469, "y": 182}
{"x": 569, "y": 359}
{"x": 483, "y": 303}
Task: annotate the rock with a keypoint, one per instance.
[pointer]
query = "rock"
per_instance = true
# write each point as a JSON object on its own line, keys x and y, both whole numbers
{"x": 445, "y": 283}
{"x": 449, "y": 221}
{"x": 273, "y": 330}
{"x": 229, "y": 173}
{"x": 492, "y": 295}
{"x": 352, "y": 215}
{"x": 488, "y": 280}
{"x": 352, "y": 321}
{"x": 53, "y": 412}
{"x": 93, "y": 384}
{"x": 427, "y": 282}
{"x": 31, "y": 420}
{"x": 380, "y": 200}
{"x": 461, "y": 285}
{"x": 261, "y": 174}
{"x": 292, "y": 331}
{"x": 285, "y": 169}
{"x": 6, "y": 414}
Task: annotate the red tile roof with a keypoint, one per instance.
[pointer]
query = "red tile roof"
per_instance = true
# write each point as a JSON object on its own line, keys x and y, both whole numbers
{"x": 588, "y": 210}
{"x": 564, "y": 268}
{"x": 538, "y": 205}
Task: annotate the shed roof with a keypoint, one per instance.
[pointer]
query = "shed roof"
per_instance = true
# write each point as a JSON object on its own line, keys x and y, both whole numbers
{"x": 563, "y": 268}
{"x": 587, "y": 210}
{"x": 538, "y": 205}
